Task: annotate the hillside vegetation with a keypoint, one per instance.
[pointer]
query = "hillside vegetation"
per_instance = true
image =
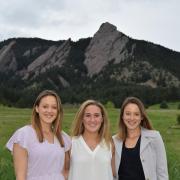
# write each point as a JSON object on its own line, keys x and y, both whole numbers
{"x": 108, "y": 66}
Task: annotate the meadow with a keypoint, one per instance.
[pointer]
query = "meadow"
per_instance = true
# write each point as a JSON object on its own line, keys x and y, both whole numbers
{"x": 162, "y": 120}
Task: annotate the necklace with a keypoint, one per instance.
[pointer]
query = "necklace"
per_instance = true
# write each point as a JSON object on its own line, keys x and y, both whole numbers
{"x": 133, "y": 137}
{"x": 47, "y": 132}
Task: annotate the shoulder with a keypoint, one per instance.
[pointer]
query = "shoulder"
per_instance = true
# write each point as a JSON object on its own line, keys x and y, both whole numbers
{"x": 24, "y": 130}
{"x": 150, "y": 133}
{"x": 22, "y": 136}
{"x": 65, "y": 135}
{"x": 67, "y": 140}
{"x": 27, "y": 128}
{"x": 76, "y": 138}
{"x": 153, "y": 136}
{"x": 116, "y": 139}
{"x": 117, "y": 142}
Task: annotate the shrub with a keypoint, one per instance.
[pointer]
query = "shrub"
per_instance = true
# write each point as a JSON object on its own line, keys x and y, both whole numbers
{"x": 109, "y": 104}
{"x": 178, "y": 106}
{"x": 178, "y": 119}
{"x": 164, "y": 105}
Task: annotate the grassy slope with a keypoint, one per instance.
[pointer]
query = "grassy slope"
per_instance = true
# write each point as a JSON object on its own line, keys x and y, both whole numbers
{"x": 12, "y": 118}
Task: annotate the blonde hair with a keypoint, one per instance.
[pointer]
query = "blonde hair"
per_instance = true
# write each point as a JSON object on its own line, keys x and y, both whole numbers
{"x": 56, "y": 124}
{"x": 78, "y": 127}
{"x": 145, "y": 120}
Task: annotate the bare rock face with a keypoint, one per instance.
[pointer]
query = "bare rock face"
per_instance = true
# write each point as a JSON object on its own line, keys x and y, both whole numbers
{"x": 31, "y": 52}
{"x": 54, "y": 56}
{"x": 106, "y": 45}
{"x": 63, "y": 81}
{"x": 7, "y": 58}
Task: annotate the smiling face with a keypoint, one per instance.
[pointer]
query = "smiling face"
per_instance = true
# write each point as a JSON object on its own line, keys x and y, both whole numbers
{"x": 132, "y": 117}
{"x": 92, "y": 119}
{"x": 47, "y": 109}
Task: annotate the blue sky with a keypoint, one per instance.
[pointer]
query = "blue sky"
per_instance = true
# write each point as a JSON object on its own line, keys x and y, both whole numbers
{"x": 151, "y": 20}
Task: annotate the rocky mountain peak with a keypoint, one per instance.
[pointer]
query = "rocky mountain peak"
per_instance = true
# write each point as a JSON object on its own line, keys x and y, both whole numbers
{"x": 107, "y": 27}
{"x": 106, "y": 45}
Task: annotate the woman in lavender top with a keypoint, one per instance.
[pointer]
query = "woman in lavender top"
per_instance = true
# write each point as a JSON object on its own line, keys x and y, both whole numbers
{"x": 40, "y": 149}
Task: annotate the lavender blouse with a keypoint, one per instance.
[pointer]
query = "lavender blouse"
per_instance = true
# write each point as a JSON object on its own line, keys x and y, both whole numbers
{"x": 45, "y": 160}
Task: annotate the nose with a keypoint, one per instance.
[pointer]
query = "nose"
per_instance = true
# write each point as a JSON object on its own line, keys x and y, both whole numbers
{"x": 131, "y": 117}
{"x": 49, "y": 109}
{"x": 92, "y": 118}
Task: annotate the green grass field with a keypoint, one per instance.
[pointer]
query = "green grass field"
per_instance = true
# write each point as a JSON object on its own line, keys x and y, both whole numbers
{"x": 162, "y": 120}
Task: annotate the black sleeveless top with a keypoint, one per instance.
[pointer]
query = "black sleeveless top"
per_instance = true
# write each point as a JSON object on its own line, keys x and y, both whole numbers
{"x": 130, "y": 167}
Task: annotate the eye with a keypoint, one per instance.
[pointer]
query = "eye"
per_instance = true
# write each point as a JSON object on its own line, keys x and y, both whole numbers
{"x": 87, "y": 115}
{"x": 54, "y": 107}
{"x": 97, "y": 115}
{"x": 127, "y": 113}
{"x": 137, "y": 114}
{"x": 45, "y": 106}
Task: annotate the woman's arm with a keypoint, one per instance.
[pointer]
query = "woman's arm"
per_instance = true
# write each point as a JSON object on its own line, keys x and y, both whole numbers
{"x": 113, "y": 160}
{"x": 20, "y": 157}
{"x": 66, "y": 165}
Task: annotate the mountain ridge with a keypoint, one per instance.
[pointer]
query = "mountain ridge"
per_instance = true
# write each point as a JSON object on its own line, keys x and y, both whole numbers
{"x": 107, "y": 66}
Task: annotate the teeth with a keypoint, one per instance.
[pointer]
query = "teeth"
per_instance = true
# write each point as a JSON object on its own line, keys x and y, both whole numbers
{"x": 131, "y": 123}
{"x": 49, "y": 116}
{"x": 92, "y": 126}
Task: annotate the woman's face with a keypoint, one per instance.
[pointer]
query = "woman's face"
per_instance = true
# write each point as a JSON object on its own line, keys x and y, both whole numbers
{"x": 47, "y": 109}
{"x": 92, "y": 119}
{"x": 132, "y": 116}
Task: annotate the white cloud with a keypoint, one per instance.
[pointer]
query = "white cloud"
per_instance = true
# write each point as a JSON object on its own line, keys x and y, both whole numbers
{"x": 152, "y": 20}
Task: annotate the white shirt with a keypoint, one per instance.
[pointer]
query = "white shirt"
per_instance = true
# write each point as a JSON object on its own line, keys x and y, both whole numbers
{"x": 87, "y": 164}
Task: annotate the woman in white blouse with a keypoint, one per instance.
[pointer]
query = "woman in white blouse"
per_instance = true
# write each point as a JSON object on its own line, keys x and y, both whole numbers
{"x": 91, "y": 154}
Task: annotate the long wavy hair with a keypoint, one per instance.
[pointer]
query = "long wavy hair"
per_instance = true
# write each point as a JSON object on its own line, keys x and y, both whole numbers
{"x": 56, "y": 124}
{"x": 78, "y": 126}
{"x": 145, "y": 120}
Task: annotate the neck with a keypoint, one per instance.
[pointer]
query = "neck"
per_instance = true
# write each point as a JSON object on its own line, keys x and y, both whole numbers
{"x": 89, "y": 135}
{"x": 46, "y": 127}
{"x": 133, "y": 133}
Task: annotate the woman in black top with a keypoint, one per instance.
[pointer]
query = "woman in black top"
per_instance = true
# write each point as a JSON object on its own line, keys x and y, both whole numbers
{"x": 139, "y": 150}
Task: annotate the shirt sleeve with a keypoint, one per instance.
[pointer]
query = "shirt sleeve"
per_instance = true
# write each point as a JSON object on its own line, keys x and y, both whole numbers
{"x": 67, "y": 141}
{"x": 162, "y": 170}
{"x": 19, "y": 137}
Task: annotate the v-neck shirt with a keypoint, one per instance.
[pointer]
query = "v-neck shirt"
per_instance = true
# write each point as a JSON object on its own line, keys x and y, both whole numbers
{"x": 87, "y": 164}
{"x": 87, "y": 147}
